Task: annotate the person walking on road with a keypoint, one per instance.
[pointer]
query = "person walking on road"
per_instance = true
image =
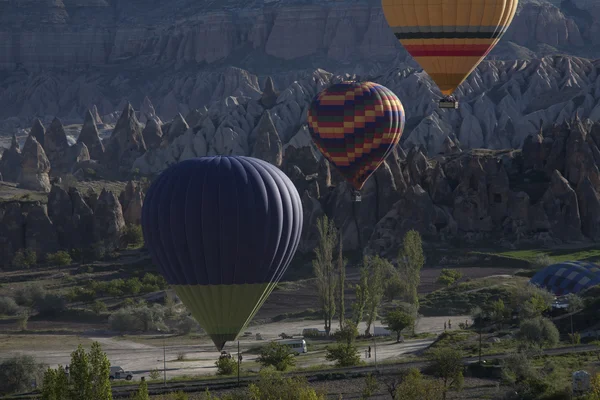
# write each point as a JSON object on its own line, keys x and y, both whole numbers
{"x": 369, "y": 351}
{"x": 449, "y": 324}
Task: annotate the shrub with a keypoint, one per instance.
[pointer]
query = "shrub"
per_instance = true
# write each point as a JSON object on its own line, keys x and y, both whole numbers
{"x": 147, "y": 288}
{"x": 449, "y": 276}
{"x": 226, "y": 366}
{"x": 24, "y": 258}
{"x": 115, "y": 287}
{"x": 30, "y": 294}
{"x": 186, "y": 324}
{"x": 180, "y": 356}
{"x": 51, "y": 306}
{"x": 276, "y": 355}
{"x": 152, "y": 279}
{"x": 140, "y": 318}
{"x": 23, "y": 320}
{"x": 132, "y": 286}
{"x": 60, "y": 259}
{"x": 133, "y": 236}
{"x": 155, "y": 374}
{"x": 542, "y": 261}
{"x": 8, "y": 306}
{"x": 539, "y": 331}
{"x": 17, "y": 373}
{"x": 98, "y": 307}
{"x": 343, "y": 354}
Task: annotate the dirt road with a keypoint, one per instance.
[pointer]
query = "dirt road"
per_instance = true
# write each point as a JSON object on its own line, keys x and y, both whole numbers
{"x": 199, "y": 358}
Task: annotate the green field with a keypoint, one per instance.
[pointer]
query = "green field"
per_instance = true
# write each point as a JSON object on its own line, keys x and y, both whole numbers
{"x": 588, "y": 253}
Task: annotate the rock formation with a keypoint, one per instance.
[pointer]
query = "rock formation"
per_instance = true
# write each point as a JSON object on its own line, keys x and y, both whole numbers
{"x": 35, "y": 167}
{"x": 10, "y": 163}
{"x": 56, "y": 145}
{"x": 38, "y": 131}
{"x": 40, "y": 234}
{"x": 126, "y": 142}
{"x": 267, "y": 145}
{"x": 152, "y": 134}
{"x": 132, "y": 200}
{"x": 90, "y": 137}
{"x": 108, "y": 220}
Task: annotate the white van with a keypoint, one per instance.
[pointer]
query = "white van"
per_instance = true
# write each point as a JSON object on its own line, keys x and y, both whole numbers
{"x": 296, "y": 346}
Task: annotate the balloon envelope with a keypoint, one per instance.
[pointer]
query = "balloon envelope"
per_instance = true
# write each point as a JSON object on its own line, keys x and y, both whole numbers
{"x": 356, "y": 125}
{"x": 449, "y": 38}
{"x": 222, "y": 231}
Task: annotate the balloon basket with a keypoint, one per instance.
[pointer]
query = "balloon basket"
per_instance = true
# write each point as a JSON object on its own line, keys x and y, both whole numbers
{"x": 449, "y": 104}
{"x": 356, "y": 196}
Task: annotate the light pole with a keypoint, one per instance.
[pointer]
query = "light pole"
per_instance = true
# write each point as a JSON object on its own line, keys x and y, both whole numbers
{"x": 164, "y": 357}
{"x": 239, "y": 362}
{"x": 164, "y": 362}
{"x": 375, "y": 348}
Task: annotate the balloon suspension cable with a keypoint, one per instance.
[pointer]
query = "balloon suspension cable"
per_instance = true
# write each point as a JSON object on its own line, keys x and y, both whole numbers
{"x": 356, "y": 224}
{"x": 376, "y": 198}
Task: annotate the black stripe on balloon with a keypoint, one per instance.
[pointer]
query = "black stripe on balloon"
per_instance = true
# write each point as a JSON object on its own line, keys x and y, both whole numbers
{"x": 448, "y": 35}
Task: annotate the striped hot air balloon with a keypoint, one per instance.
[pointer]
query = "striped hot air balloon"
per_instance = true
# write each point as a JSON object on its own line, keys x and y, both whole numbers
{"x": 356, "y": 126}
{"x": 222, "y": 231}
{"x": 449, "y": 38}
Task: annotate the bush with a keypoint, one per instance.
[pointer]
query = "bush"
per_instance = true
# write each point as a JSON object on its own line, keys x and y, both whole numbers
{"x": 276, "y": 355}
{"x": 542, "y": 261}
{"x": 186, "y": 324}
{"x": 140, "y": 318}
{"x": 344, "y": 355}
{"x": 17, "y": 373}
{"x": 59, "y": 259}
{"x": 115, "y": 288}
{"x": 8, "y": 306}
{"x": 24, "y": 258}
{"x": 180, "y": 356}
{"x": 155, "y": 374}
{"x": 132, "y": 286}
{"x": 29, "y": 295}
{"x": 98, "y": 307}
{"x": 133, "y": 236}
{"x": 23, "y": 320}
{"x": 272, "y": 385}
{"x": 51, "y": 305}
{"x": 539, "y": 331}
{"x": 449, "y": 276}
{"x": 226, "y": 366}
{"x": 152, "y": 279}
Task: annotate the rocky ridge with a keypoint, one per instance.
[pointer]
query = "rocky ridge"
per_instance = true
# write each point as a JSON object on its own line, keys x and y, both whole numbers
{"x": 545, "y": 193}
{"x": 176, "y": 58}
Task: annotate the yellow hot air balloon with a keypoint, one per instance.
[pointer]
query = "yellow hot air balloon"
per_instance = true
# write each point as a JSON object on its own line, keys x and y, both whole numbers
{"x": 449, "y": 38}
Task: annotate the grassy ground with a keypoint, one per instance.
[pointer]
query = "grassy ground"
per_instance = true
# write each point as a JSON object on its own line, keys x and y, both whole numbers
{"x": 464, "y": 297}
{"x": 587, "y": 253}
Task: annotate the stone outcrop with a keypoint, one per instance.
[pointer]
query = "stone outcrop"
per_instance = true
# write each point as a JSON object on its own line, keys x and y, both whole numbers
{"x": 10, "y": 163}
{"x": 132, "y": 200}
{"x": 90, "y": 137}
{"x": 35, "y": 167}
{"x": 40, "y": 234}
{"x": 56, "y": 145}
{"x": 267, "y": 144}
{"x": 126, "y": 142}
{"x": 108, "y": 220}
{"x": 38, "y": 131}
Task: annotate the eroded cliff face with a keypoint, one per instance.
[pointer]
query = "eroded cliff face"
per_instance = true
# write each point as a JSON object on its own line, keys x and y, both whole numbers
{"x": 71, "y": 33}
{"x": 61, "y": 57}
